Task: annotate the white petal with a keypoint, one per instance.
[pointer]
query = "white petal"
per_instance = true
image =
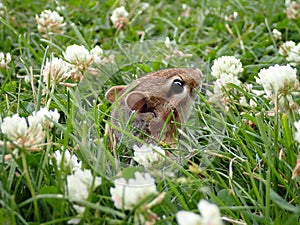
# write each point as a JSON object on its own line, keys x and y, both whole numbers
{"x": 188, "y": 218}
{"x": 210, "y": 213}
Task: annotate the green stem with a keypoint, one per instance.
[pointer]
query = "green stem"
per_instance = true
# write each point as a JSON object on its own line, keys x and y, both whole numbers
{"x": 268, "y": 197}
{"x": 13, "y": 208}
{"x": 239, "y": 37}
{"x": 270, "y": 159}
{"x": 50, "y": 97}
{"x": 44, "y": 161}
{"x": 40, "y": 86}
{"x": 30, "y": 186}
{"x": 276, "y": 124}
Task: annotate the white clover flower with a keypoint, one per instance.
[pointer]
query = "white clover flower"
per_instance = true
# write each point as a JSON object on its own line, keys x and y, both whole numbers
{"x": 45, "y": 117}
{"x": 56, "y": 71}
{"x": 119, "y": 17}
{"x": 97, "y": 54}
{"x": 226, "y": 65}
{"x": 292, "y": 9}
{"x": 184, "y": 6}
{"x": 170, "y": 44}
{"x": 222, "y": 86}
{"x": 231, "y": 17}
{"x": 69, "y": 162}
{"x": 80, "y": 184}
{"x": 258, "y": 92}
{"x": 188, "y": 218}
{"x": 50, "y": 22}
{"x": 293, "y": 55}
{"x": 144, "y": 5}
{"x": 22, "y": 134}
{"x": 80, "y": 210}
{"x": 128, "y": 194}
{"x": 5, "y": 59}
{"x": 243, "y": 101}
{"x": 223, "y": 81}
{"x": 86, "y": 177}
{"x": 278, "y": 80}
{"x": 297, "y": 134}
{"x": 286, "y": 47}
{"x": 252, "y": 103}
{"x": 210, "y": 215}
{"x": 118, "y": 13}
{"x": 276, "y": 34}
{"x": 2, "y": 9}
{"x": 14, "y": 127}
{"x": 186, "y": 10}
{"x": 148, "y": 155}
{"x": 60, "y": 8}
{"x": 291, "y": 51}
{"x": 175, "y": 53}
{"x": 76, "y": 189}
{"x": 249, "y": 87}
{"x": 78, "y": 56}
{"x": 75, "y": 220}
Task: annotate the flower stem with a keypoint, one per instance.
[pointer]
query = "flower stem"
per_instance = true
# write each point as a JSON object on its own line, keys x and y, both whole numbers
{"x": 276, "y": 122}
{"x": 50, "y": 97}
{"x": 30, "y": 186}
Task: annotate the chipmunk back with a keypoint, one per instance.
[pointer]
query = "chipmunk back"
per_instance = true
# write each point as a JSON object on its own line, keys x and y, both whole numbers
{"x": 156, "y": 104}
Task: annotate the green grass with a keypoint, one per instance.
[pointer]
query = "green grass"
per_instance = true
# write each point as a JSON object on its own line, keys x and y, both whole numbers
{"x": 232, "y": 164}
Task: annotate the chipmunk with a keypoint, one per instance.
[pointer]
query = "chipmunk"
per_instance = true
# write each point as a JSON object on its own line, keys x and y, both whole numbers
{"x": 156, "y": 104}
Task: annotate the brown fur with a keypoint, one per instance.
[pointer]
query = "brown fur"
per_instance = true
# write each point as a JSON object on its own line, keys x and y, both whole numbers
{"x": 157, "y": 109}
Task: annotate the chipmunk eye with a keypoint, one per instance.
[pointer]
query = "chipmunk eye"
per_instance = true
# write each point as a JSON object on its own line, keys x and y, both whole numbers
{"x": 177, "y": 86}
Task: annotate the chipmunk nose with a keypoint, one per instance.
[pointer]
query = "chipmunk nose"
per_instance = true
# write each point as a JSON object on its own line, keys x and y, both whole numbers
{"x": 199, "y": 76}
{"x": 195, "y": 80}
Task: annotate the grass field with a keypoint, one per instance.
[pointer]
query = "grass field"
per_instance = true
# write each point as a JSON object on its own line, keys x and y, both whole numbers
{"x": 238, "y": 151}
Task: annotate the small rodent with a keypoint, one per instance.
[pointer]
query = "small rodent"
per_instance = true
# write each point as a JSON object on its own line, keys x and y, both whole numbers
{"x": 156, "y": 104}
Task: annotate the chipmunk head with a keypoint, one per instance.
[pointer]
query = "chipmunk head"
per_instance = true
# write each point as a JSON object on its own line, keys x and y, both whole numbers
{"x": 157, "y": 96}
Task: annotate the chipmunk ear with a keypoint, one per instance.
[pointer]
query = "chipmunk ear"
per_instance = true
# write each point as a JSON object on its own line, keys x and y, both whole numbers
{"x": 114, "y": 92}
{"x": 137, "y": 100}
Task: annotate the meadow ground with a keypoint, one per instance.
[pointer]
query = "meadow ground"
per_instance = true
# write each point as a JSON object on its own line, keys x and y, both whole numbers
{"x": 237, "y": 154}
